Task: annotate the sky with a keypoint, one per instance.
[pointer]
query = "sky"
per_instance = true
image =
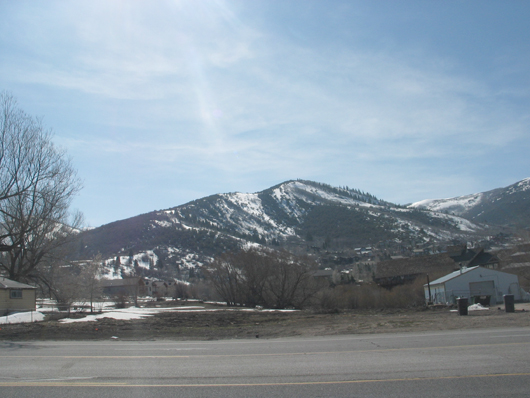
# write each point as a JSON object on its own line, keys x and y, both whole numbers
{"x": 159, "y": 103}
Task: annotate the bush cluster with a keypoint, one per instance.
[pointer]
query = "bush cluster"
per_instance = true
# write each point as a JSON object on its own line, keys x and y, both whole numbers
{"x": 370, "y": 296}
{"x": 261, "y": 277}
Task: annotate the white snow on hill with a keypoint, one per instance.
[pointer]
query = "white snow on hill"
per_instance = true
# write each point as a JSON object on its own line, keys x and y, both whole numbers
{"x": 461, "y": 204}
{"x": 521, "y": 186}
{"x": 456, "y": 206}
{"x": 113, "y": 267}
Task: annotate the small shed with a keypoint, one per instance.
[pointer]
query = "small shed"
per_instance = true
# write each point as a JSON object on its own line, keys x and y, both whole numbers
{"x": 478, "y": 284}
{"x": 16, "y": 296}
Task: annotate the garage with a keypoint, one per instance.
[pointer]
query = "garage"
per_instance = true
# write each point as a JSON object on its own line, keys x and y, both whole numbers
{"x": 482, "y": 292}
{"x": 480, "y": 285}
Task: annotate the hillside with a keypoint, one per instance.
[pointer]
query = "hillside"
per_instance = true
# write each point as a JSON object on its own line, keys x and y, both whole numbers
{"x": 301, "y": 216}
{"x": 508, "y": 206}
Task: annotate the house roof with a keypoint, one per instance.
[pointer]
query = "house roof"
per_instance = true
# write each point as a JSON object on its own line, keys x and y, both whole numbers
{"x": 438, "y": 263}
{"x": 323, "y": 273}
{"x": 483, "y": 258}
{"x": 9, "y": 284}
{"x": 121, "y": 282}
{"x": 473, "y": 257}
{"x": 452, "y": 275}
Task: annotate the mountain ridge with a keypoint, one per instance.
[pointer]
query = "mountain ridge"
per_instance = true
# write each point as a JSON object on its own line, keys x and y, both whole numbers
{"x": 508, "y": 206}
{"x": 298, "y": 215}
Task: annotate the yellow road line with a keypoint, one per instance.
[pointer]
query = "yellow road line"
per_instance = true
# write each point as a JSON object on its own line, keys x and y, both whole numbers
{"x": 122, "y": 385}
{"x": 258, "y": 355}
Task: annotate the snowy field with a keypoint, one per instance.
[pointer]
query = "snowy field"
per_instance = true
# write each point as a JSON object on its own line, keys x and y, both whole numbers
{"x": 139, "y": 313}
{"x": 122, "y": 314}
{"x": 106, "y": 310}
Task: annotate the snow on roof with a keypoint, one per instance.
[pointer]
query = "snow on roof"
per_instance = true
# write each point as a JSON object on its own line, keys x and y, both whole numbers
{"x": 131, "y": 281}
{"x": 9, "y": 284}
{"x": 452, "y": 275}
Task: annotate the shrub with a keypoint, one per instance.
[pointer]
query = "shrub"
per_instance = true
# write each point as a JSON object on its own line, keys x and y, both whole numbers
{"x": 370, "y": 297}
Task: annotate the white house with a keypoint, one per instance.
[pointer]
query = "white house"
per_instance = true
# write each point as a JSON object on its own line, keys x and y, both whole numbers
{"x": 478, "y": 284}
{"x": 16, "y": 296}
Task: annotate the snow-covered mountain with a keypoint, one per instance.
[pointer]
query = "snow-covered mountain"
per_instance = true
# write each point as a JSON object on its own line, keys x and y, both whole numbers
{"x": 301, "y": 216}
{"x": 508, "y": 206}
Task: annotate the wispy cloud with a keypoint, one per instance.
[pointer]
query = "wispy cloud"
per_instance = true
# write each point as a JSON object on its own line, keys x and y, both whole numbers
{"x": 251, "y": 93}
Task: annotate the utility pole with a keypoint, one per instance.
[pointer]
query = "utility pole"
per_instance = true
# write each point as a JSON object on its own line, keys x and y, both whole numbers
{"x": 429, "y": 286}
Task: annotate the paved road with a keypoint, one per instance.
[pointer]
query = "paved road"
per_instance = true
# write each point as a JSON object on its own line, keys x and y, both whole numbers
{"x": 478, "y": 363}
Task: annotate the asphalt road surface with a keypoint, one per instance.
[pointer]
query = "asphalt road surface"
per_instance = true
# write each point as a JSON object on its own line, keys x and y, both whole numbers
{"x": 481, "y": 363}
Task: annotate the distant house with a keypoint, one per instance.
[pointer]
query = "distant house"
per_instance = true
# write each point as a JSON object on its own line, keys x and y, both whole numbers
{"x": 399, "y": 271}
{"x": 518, "y": 261}
{"x": 161, "y": 288}
{"x": 326, "y": 274}
{"x": 478, "y": 284}
{"x": 463, "y": 256}
{"x": 16, "y": 296}
{"x": 131, "y": 287}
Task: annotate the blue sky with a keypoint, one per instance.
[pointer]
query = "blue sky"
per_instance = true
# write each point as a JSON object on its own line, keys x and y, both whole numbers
{"x": 162, "y": 102}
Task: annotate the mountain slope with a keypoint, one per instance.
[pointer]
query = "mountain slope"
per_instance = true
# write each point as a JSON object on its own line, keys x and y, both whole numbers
{"x": 304, "y": 216}
{"x": 508, "y": 206}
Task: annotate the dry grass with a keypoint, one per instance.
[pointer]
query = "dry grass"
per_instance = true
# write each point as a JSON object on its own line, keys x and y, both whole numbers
{"x": 371, "y": 297}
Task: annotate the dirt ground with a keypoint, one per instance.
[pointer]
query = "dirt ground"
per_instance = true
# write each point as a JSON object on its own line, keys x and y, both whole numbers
{"x": 234, "y": 324}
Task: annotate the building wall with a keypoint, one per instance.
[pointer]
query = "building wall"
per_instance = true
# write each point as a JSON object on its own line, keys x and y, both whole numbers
{"x": 26, "y": 303}
{"x": 126, "y": 287}
{"x": 163, "y": 289}
{"x": 437, "y": 294}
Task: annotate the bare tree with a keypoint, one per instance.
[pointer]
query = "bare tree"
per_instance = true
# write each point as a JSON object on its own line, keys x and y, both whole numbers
{"x": 274, "y": 279}
{"x": 257, "y": 266}
{"x": 37, "y": 185}
{"x": 65, "y": 286}
{"x": 227, "y": 278}
{"x": 90, "y": 279}
{"x": 291, "y": 282}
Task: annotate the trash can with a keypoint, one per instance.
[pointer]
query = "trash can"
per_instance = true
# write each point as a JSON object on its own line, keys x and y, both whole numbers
{"x": 462, "y": 305}
{"x": 509, "y": 303}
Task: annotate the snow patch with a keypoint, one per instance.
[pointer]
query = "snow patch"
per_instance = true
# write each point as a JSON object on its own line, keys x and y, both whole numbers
{"x": 458, "y": 205}
{"x": 22, "y": 317}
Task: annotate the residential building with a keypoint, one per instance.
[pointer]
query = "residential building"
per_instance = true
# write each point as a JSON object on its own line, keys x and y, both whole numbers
{"x": 478, "y": 284}
{"x": 16, "y": 296}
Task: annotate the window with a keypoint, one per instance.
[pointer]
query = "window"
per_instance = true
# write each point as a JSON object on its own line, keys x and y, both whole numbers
{"x": 16, "y": 294}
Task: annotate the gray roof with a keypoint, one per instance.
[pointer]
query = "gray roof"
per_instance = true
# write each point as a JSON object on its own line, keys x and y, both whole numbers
{"x": 9, "y": 284}
{"x": 323, "y": 273}
{"x": 452, "y": 275}
{"x": 120, "y": 282}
